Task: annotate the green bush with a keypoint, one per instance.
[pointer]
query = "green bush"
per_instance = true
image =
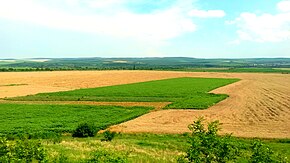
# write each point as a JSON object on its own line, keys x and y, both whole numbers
{"x": 262, "y": 153}
{"x": 207, "y": 146}
{"x": 108, "y": 135}
{"x": 21, "y": 151}
{"x": 4, "y": 149}
{"x": 85, "y": 130}
{"x": 107, "y": 157}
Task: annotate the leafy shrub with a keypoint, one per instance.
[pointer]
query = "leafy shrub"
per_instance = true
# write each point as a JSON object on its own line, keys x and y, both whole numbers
{"x": 262, "y": 153}
{"x": 21, "y": 151}
{"x": 29, "y": 150}
{"x": 3, "y": 147}
{"x": 108, "y": 135}
{"x": 85, "y": 130}
{"x": 207, "y": 146}
{"x": 107, "y": 157}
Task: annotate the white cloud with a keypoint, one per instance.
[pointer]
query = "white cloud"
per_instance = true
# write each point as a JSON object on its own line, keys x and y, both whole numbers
{"x": 234, "y": 42}
{"x": 107, "y": 17}
{"x": 72, "y": 2}
{"x": 158, "y": 26}
{"x": 264, "y": 27}
{"x": 207, "y": 14}
{"x": 284, "y": 6}
{"x": 100, "y": 4}
{"x": 103, "y": 3}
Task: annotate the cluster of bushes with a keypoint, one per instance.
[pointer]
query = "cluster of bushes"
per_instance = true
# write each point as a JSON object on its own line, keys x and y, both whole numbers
{"x": 207, "y": 146}
{"x": 89, "y": 130}
{"x": 85, "y": 130}
{"x": 22, "y": 150}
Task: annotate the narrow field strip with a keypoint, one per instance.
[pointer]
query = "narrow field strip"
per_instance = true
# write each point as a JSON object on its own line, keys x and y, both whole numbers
{"x": 156, "y": 105}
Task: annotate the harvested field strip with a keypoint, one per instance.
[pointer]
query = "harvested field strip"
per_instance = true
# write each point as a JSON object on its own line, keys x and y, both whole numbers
{"x": 156, "y": 105}
{"x": 183, "y": 92}
{"x": 20, "y": 118}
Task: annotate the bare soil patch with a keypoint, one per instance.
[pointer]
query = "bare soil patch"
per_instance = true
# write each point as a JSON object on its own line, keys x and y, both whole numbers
{"x": 258, "y": 106}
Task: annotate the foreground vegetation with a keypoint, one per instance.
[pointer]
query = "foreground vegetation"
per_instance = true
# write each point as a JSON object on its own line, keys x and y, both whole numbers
{"x": 46, "y": 120}
{"x": 191, "y": 93}
{"x": 140, "y": 148}
{"x": 207, "y": 146}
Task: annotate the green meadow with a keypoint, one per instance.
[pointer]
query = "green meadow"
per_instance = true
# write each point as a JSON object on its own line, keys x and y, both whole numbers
{"x": 143, "y": 147}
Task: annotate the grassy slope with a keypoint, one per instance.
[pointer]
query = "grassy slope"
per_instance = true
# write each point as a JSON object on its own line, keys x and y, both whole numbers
{"x": 17, "y": 118}
{"x": 184, "y": 92}
{"x": 140, "y": 147}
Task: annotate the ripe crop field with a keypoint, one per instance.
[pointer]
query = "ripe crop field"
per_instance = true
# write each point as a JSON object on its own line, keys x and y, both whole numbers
{"x": 185, "y": 93}
{"x": 19, "y": 118}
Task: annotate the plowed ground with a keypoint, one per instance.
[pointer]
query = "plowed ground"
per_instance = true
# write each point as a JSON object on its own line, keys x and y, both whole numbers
{"x": 258, "y": 106}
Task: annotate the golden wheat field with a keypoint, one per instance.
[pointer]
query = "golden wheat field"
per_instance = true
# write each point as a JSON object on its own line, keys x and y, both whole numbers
{"x": 258, "y": 106}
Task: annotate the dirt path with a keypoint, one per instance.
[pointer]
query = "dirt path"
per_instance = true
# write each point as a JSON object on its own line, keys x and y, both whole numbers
{"x": 258, "y": 106}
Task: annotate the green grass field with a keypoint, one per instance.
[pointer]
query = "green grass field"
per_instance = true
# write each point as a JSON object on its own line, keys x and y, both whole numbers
{"x": 185, "y": 93}
{"x": 140, "y": 147}
{"x": 19, "y": 118}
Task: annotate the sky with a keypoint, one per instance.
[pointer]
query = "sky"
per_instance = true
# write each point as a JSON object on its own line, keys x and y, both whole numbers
{"x": 144, "y": 28}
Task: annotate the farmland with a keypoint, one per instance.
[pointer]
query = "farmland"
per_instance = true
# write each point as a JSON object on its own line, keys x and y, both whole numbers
{"x": 185, "y": 93}
{"x": 257, "y": 106}
{"x": 31, "y": 119}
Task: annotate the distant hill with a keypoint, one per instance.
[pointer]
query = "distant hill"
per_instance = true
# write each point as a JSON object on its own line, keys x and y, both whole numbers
{"x": 140, "y": 63}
